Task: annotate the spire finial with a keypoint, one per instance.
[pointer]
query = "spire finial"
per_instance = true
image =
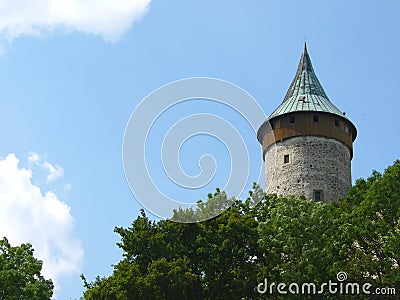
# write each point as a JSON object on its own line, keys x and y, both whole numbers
{"x": 305, "y": 81}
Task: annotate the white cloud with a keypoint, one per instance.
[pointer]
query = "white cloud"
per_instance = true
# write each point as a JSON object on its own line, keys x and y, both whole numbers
{"x": 33, "y": 157}
{"x": 54, "y": 171}
{"x": 29, "y": 216}
{"x": 67, "y": 187}
{"x": 106, "y": 18}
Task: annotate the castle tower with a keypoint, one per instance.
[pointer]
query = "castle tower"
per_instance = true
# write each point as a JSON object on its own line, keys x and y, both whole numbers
{"x": 307, "y": 142}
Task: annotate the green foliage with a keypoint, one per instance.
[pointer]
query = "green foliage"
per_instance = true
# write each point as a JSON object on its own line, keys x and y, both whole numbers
{"x": 20, "y": 274}
{"x": 169, "y": 260}
{"x": 284, "y": 239}
{"x": 297, "y": 240}
{"x": 371, "y": 228}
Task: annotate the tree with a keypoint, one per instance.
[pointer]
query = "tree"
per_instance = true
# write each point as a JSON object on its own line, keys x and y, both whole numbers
{"x": 307, "y": 241}
{"x": 20, "y": 274}
{"x": 297, "y": 241}
{"x": 284, "y": 239}
{"x": 371, "y": 228}
{"x": 214, "y": 259}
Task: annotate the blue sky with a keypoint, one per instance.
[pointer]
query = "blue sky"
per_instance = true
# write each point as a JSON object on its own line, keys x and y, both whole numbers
{"x": 70, "y": 78}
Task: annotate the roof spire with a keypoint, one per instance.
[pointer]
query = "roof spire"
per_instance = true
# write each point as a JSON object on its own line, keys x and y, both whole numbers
{"x": 305, "y": 92}
{"x": 305, "y": 81}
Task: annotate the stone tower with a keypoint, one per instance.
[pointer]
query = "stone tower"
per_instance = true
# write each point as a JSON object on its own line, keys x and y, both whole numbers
{"x": 307, "y": 142}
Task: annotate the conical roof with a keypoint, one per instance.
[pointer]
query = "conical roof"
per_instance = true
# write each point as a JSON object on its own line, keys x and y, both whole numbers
{"x": 305, "y": 92}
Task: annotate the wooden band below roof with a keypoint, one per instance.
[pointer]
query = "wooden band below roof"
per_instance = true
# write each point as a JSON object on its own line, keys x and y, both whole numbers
{"x": 307, "y": 124}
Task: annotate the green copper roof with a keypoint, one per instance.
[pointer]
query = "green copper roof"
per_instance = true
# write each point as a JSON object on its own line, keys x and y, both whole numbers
{"x": 305, "y": 92}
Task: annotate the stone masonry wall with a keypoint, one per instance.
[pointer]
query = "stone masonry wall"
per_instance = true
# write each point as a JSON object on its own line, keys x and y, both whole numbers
{"x": 314, "y": 164}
